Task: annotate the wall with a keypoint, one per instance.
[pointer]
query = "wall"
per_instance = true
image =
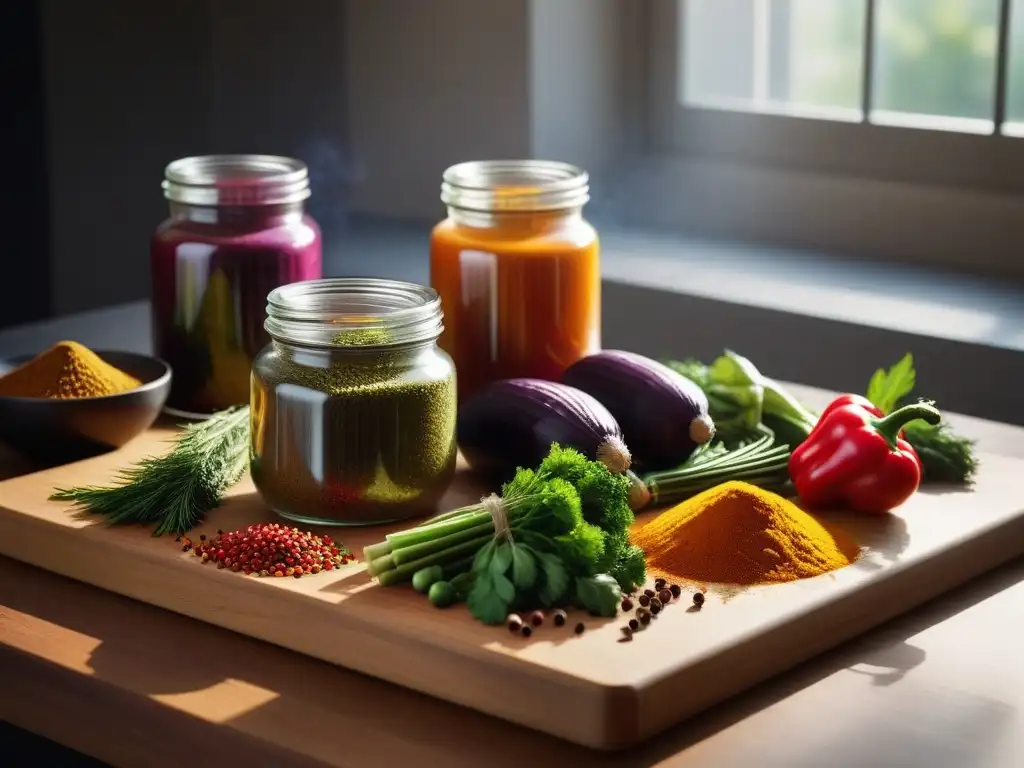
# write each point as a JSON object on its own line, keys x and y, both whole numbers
{"x": 131, "y": 86}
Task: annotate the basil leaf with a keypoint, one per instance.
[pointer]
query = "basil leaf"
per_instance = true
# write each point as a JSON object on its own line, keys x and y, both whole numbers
{"x": 599, "y": 594}
{"x": 887, "y": 388}
{"x": 524, "y": 567}
{"x": 483, "y": 557}
{"x": 503, "y": 587}
{"x": 502, "y": 558}
{"x": 484, "y": 601}
{"x": 556, "y": 579}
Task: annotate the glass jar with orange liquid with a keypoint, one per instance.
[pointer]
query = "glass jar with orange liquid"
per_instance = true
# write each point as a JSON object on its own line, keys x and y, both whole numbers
{"x": 518, "y": 270}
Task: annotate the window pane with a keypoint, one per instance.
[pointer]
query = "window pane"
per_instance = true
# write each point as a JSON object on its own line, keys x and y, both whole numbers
{"x": 773, "y": 55}
{"x": 1015, "y": 73}
{"x": 826, "y": 51}
{"x": 935, "y": 58}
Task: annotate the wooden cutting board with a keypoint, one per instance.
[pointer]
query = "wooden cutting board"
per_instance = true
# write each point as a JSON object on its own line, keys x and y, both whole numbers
{"x": 590, "y": 689}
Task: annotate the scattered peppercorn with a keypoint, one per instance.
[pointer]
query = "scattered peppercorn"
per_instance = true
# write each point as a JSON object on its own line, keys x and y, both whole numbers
{"x": 644, "y": 600}
{"x": 537, "y": 618}
{"x": 514, "y": 623}
{"x": 665, "y": 596}
{"x": 627, "y": 604}
{"x": 634, "y": 624}
{"x": 659, "y": 584}
{"x": 655, "y": 608}
{"x": 644, "y": 615}
{"x": 560, "y": 618}
{"x": 698, "y": 599}
{"x": 655, "y": 603}
{"x": 272, "y": 549}
{"x": 526, "y": 630}
{"x": 202, "y": 537}
{"x": 627, "y": 633}
{"x": 649, "y": 593}
{"x": 676, "y": 590}
{"x": 579, "y": 628}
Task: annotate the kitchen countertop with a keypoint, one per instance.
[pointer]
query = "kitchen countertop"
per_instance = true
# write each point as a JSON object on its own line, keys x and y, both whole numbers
{"x": 134, "y": 685}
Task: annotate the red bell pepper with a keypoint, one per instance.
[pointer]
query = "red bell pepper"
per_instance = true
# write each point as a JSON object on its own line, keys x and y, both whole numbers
{"x": 855, "y": 458}
{"x": 874, "y": 410}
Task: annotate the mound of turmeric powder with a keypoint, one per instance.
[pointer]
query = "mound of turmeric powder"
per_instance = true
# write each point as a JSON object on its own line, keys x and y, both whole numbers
{"x": 67, "y": 370}
{"x": 737, "y": 533}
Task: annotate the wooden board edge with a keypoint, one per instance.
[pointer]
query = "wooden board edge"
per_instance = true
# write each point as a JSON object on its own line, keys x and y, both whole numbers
{"x": 598, "y": 720}
{"x": 902, "y": 589}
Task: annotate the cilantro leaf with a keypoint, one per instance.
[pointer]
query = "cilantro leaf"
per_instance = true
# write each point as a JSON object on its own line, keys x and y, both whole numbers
{"x": 524, "y": 567}
{"x": 887, "y": 388}
{"x": 484, "y": 602}
{"x": 599, "y": 594}
{"x": 556, "y": 579}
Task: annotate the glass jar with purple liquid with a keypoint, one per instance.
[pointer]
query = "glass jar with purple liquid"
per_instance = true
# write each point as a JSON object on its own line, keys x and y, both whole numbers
{"x": 237, "y": 230}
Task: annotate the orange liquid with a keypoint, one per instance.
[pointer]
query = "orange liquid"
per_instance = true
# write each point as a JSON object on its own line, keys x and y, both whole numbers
{"x": 521, "y": 297}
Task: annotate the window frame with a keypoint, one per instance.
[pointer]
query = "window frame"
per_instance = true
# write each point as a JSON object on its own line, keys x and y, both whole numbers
{"x": 989, "y": 162}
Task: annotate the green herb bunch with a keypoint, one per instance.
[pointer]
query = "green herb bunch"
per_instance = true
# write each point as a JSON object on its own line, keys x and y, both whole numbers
{"x": 566, "y": 543}
{"x": 176, "y": 491}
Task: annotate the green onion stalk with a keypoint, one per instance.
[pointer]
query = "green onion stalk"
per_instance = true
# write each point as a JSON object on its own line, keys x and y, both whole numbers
{"x": 761, "y": 463}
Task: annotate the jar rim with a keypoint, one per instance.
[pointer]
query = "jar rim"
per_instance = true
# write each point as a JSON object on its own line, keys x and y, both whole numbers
{"x": 511, "y": 186}
{"x": 239, "y": 180}
{"x": 354, "y": 313}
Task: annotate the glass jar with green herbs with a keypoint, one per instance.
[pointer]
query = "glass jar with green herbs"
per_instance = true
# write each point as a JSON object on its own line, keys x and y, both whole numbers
{"x": 353, "y": 404}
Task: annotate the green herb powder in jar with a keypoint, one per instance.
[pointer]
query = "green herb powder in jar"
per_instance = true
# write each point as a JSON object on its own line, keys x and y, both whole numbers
{"x": 359, "y": 430}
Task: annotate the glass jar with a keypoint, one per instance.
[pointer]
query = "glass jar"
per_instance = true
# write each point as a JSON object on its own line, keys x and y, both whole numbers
{"x": 518, "y": 270}
{"x": 353, "y": 403}
{"x": 237, "y": 230}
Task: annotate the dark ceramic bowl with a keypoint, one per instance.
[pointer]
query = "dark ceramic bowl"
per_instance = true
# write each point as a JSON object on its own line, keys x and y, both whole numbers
{"x": 51, "y": 431}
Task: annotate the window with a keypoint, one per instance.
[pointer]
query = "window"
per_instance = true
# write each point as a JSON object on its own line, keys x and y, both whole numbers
{"x": 922, "y": 91}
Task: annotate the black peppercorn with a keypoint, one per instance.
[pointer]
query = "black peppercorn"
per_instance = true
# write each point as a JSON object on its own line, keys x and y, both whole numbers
{"x": 644, "y": 616}
{"x": 627, "y": 604}
{"x": 649, "y": 592}
{"x": 526, "y": 630}
{"x": 514, "y": 623}
{"x": 645, "y": 600}
{"x": 537, "y": 618}
{"x": 659, "y": 584}
{"x": 655, "y": 604}
{"x": 664, "y": 596}
{"x": 202, "y": 537}
{"x": 698, "y": 599}
{"x": 579, "y": 628}
{"x": 676, "y": 590}
{"x": 560, "y": 618}
{"x": 627, "y": 633}
{"x": 634, "y": 624}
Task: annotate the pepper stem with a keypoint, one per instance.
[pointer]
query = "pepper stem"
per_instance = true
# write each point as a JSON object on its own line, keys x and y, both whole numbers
{"x": 889, "y": 427}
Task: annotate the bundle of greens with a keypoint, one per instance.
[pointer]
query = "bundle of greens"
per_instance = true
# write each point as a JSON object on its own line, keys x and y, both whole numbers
{"x": 744, "y": 402}
{"x": 176, "y": 491}
{"x": 557, "y": 535}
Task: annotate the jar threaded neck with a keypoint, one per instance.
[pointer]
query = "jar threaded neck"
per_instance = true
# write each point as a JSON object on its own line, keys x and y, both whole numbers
{"x": 515, "y": 186}
{"x": 354, "y": 313}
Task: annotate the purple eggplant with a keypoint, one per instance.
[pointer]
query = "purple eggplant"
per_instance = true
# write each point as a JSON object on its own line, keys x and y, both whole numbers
{"x": 663, "y": 415}
{"x": 512, "y": 423}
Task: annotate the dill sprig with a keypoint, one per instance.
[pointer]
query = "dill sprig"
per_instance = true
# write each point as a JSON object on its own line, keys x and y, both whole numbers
{"x": 176, "y": 491}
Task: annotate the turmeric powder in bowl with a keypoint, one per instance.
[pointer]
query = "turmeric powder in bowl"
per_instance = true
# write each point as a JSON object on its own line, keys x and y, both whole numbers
{"x": 739, "y": 534}
{"x": 67, "y": 370}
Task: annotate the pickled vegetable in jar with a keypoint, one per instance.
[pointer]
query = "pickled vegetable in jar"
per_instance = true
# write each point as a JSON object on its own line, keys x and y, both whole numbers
{"x": 237, "y": 230}
{"x": 518, "y": 271}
